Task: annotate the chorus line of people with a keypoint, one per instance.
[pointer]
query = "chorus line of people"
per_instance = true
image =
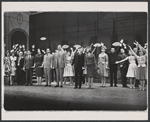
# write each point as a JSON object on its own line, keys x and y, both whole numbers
{"x": 78, "y": 65}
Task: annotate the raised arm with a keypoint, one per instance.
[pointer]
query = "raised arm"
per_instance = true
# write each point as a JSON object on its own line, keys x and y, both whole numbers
{"x": 142, "y": 47}
{"x": 94, "y": 50}
{"x": 122, "y": 60}
{"x": 91, "y": 45}
{"x": 132, "y": 51}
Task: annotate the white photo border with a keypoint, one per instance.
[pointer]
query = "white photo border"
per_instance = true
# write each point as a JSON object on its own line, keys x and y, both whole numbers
{"x": 70, "y": 6}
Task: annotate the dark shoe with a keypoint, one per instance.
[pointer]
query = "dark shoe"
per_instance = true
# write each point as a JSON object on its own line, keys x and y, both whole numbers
{"x": 115, "y": 86}
{"x": 31, "y": 85}
{"x": 26, "y": 84}
{"x": 75, "y": 87}
{"x": 57, "y": 86}
{"x": 49, "y": 85}
{"x": 111, "y": 86}
{"x": 61, "y": 86}
{"x": 46, "y": 85}
{"x": 79, "y": 88}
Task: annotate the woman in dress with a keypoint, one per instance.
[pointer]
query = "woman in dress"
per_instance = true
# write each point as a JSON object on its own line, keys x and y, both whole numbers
{"x": 7, "y": 63}
{"x": 68, "y": 70}
{"x": 103, "y": 66}
{"x": 38, "y": 66}
{"x": 131, "y": 73}
{"x": 90, "y": 64}
{"x": 85, "y": 70}
{"x": 141, "y": 73}
{"x": 13, "y": 59}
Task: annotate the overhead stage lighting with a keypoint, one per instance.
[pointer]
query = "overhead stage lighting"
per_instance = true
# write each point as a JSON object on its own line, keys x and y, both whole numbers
{"x": 43, "y": 38}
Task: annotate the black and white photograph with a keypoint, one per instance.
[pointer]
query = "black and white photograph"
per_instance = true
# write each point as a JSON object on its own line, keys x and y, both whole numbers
{"x": 81, "y": 57}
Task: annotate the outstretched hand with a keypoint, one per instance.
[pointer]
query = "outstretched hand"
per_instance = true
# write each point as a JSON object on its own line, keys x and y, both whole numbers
{"x": 117, "y": 62}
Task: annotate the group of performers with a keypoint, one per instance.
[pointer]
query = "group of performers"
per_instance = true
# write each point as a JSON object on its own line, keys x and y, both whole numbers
{"x": 78, "y": 64}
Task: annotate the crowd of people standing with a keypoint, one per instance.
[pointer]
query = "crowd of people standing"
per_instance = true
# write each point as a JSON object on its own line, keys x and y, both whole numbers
{"x": 78, "y": 65}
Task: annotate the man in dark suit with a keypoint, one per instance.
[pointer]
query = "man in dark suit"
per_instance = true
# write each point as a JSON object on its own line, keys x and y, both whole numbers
{"x": 19, "y": 66}
{"x": 78, "y": 63}
{"x": 113, "y": 66}
{"x": 123, "y": 67}
{"x": 28, "y": 67}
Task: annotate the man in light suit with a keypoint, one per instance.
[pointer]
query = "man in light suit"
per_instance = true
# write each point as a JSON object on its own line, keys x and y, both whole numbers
{"x": 28, "y": 67}
{"x": 59, "y": 65}
{"x": 48, "y": 64}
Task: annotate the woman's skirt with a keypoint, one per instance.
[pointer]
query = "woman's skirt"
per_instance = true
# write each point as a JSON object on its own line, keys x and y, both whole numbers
{"x": 13, "y": 71}
{"x": 132, "y": 69}
{"x": 68, "y": 71}
{"x": 38, "y": 70}
{"x": 141, "y": 73}
{"x": 90, "y": 70}
{"x": 102, "y": 71}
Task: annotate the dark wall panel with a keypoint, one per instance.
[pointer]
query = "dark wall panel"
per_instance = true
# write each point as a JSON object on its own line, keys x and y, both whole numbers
{"x": 81, "y": 27}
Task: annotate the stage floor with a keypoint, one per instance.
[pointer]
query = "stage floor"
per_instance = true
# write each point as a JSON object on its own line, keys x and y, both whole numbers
{"x": 68, "y": 98}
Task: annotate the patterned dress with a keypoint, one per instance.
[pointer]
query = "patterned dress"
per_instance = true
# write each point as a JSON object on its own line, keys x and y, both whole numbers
{"x": 13, "y": 65}
{"x": 68, "y": 70}
{"x": 7, "y": 66}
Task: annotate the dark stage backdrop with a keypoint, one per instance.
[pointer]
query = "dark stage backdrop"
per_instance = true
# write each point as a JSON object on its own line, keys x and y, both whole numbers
{"x": 86, "y": 27}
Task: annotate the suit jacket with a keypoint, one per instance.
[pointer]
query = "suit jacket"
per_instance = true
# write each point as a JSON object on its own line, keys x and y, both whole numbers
{"x": 59, "y": 60}
{"x": 78, "y": 61}
{"x": 48, "y": 61}
{"x": 21, "y": 62}
{"x": 28, "y": 62}
{"x": 122, "y": 64}
{"x": 113, "y": 56}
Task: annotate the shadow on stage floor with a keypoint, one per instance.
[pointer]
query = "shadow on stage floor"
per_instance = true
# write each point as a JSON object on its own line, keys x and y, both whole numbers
{"x": 67, "y": 98}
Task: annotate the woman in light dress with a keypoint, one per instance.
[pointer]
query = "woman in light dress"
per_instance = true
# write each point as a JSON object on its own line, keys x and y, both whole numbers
{"x": 131, "y": 73}
{"x": 103, "y": 66}
{"x": 13, "y": 59}
{"x": 68, "y": 70}
{"x": 141, "y": 73}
